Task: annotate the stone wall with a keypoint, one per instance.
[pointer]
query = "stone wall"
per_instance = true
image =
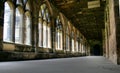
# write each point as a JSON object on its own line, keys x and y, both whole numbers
{"x": 22, "y": 51}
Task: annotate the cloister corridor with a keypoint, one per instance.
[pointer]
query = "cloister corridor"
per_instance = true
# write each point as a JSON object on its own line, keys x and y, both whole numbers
{"x": 59, "y": 36}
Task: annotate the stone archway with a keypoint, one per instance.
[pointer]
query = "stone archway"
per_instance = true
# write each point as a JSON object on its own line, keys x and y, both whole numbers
{"x": 97, "y": 50}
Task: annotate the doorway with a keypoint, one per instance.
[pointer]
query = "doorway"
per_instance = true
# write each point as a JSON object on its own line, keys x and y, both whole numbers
{"x": 97, "y": 50}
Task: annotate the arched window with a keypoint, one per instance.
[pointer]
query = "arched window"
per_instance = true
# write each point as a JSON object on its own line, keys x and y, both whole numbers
{"x": 19, "y": 26}
{"x": 58, "y": 34}
{"x": 44, "y": 27}
{"x": 48, "y": 29}
{"x": 8, "y": 23}
{"x": 27, "y": 31}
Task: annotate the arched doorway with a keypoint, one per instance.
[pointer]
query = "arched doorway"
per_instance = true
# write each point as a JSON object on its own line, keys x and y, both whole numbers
{"x": 97, "y": 50}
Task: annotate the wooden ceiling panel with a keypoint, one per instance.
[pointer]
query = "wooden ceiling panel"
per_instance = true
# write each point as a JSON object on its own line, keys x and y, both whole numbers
{"x": 89, "y": 22}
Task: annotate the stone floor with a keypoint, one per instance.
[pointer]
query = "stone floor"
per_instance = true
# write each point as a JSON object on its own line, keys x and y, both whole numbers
{"x": 89, "y": 64}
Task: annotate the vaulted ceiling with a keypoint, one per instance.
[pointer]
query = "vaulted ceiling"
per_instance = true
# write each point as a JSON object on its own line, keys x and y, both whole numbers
{"x": 86, "y": 15}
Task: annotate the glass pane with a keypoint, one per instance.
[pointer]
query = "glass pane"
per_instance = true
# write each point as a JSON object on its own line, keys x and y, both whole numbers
{"x": 44, "y": 17}
{"x": 57, "y": 39}
{"x": 67, "y": 43}
{"x": 40, "y": 33}
{"x": 27, "y": 31}
{"x": 18, "y": 27}
{"x": 8, "y": 21}
{"x": 42, "y": 10}
{"x": 60, "y": 41}
{"x": 49, "y": 37}
{"x": 19, "y": 2}
{"x": 44, "y": 35}
{"x": 47, "y": 16}
{"x": 27, "y": 6}
{"x": 40, "y": 14}
{"x": 82, "y": 48}
{"x": 76, "y": 46}
{"x": 73, "y": 46}
{"x": 24, "y": 1}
